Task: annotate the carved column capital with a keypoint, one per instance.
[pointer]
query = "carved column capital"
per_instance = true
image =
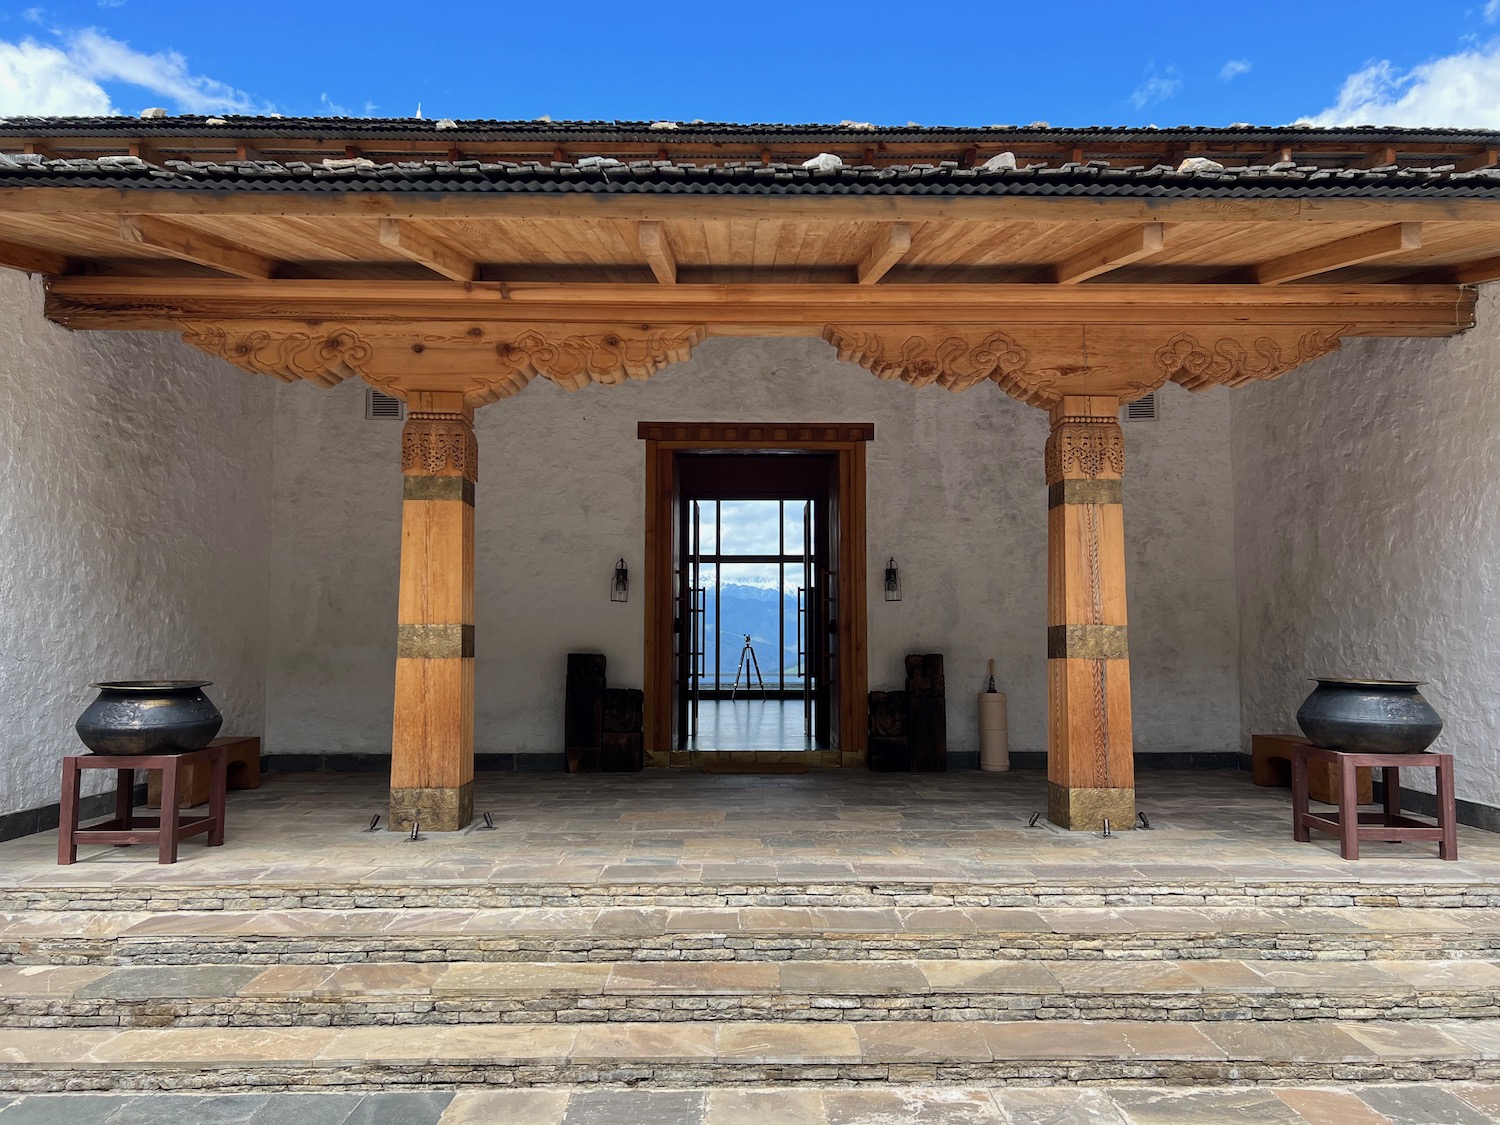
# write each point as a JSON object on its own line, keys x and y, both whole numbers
{"x": 439, "y": 444}
{"x": 1085, "y": 449}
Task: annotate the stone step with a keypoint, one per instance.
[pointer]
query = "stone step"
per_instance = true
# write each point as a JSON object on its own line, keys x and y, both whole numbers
{"x": 405, "y": 993}
{"x": 1458, "y": 1103}
{"x": 513, "y": 884}
{"x": 311, "y": 936}
{"x": 760, "y": 1053}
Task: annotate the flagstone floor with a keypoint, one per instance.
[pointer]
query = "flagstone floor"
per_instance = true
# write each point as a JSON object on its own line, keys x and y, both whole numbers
{"x": 827, "y": 826}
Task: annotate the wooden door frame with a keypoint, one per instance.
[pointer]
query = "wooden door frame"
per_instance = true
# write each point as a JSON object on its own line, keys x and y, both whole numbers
{"x": 664, "y": 440}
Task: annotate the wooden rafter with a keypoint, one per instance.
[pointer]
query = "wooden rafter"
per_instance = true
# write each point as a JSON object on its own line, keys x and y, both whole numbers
{"x": 1382, "y": 157}
{"x": 1382, "y": 242}
{"x": 1485, "y": 158}
{"x": 1278, "y": 155}
{"x": 890, "y": 246}
{"x": 195, "y": 246}
{"x": 658, "y": 252}
{"x": 1112, "y": 253}
{"x": 410, "y": 242}
{"x": 15, "y": 256}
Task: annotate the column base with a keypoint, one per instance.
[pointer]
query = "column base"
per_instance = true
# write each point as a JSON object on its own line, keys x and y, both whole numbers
{"x": 1086, "y": 810}
{"x": 436, "y": 810}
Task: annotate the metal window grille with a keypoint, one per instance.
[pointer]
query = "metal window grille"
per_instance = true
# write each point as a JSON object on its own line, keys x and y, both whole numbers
{"x": 1142, "y": 409}
{"x": 378, "y": 404}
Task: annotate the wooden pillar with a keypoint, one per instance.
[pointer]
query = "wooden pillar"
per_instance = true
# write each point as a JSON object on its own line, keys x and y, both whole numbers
{"x": 432, "y": 741}
{"x": 1090, "y": 768}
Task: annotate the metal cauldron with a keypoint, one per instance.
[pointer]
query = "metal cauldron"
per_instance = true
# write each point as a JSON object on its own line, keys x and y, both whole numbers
{"x": 149, "y": 717}
{"x": 1369, "y": 717}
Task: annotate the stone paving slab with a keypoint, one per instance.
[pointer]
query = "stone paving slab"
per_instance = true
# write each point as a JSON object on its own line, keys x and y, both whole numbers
{"x": 742, "y": 1053}
{"x": 301, "y": 838}
{"x": 1394, "y": 1104}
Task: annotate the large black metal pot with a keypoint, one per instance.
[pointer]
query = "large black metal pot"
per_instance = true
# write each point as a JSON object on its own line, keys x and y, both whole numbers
{"x": 149, "y": 717}
{"x": 1369, "y": 717}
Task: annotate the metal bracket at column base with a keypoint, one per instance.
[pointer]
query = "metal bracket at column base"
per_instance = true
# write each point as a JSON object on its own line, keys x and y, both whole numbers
{"x": 436, "y": 810}
{"x": 1085, "y": 810}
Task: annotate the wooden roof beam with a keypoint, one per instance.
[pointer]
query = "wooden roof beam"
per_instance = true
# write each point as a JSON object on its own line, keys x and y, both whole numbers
{"x": 1110, "y": 254}
{"x": 1486, "y": 158}
{"x": 1381, "y": 157}
{"x": 889, "y": 247}
{"x": 195, "y": 246}
{"x": 1382, "y": 242}
{"x": 403, "y": 237}
{"x": 658, "y": 252}
{"x": 1278, "y": 155}
{"x": 37, "y": 148}
{"x": 15, "y": 256}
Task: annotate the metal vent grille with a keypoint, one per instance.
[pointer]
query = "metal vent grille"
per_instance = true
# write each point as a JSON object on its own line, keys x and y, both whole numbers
{"x": 378, "y": 404}
{"x": 1142, "y": 409}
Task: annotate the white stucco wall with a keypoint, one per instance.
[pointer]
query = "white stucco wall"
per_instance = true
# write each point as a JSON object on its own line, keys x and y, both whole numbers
{"x": 955, "y": 492}
{"x": 1367, "y": 497}
{"x": 134, "y": 521}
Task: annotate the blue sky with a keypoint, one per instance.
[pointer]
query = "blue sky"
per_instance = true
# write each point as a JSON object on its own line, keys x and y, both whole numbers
{"x": 1066, "y": 63}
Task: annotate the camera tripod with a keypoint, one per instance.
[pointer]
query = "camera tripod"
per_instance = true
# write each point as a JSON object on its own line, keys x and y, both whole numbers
{"x": 748, "y": 664}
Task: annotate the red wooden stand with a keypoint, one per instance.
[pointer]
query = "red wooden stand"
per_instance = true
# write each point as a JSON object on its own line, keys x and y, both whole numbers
{"x": 163, "y": 831}
{"x": 1350, "y": 825}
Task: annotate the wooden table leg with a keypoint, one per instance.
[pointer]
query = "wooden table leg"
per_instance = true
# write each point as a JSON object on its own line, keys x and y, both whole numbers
{"x": 125, "y": 800}
{"x": 218, "y": 782}
{"x": 1348, "y": 808}
{"x": 1391, "y": 775}
{"x": 167, "y": 837}
{"x": 1446, "y": 810}
{"x": 1300, "y": 831}
{"x": 67, "y": 816}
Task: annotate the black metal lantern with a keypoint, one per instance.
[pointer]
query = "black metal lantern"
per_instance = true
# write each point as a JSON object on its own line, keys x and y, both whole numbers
{"x": 892, "y": 582}
{"x": 619, "y": 588}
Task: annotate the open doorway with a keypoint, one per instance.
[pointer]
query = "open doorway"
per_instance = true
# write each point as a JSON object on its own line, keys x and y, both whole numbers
{"x": 758, "y": 671}
{"x": 755, "y": 558}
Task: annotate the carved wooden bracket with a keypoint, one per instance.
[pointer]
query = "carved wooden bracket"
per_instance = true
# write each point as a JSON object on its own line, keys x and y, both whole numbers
{"x": 1039, "y": 364}
{"x": 482, "y": 362}
{"x": 439, "y": 444}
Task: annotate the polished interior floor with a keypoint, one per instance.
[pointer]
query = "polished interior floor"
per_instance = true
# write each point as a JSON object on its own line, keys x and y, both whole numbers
{"x": 676, "y": 826}
{"x": 751, "y": 723}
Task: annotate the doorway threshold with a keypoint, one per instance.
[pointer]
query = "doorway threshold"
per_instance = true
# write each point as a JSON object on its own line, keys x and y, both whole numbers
{"x": 728, "y": 761}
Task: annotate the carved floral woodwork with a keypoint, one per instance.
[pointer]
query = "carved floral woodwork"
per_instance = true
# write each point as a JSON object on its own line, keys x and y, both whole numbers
{"x": 1230, "y": 358}
{"x": 1088, "y": 448}
{"x": 439, "y": 444}
{"x": 484, "y": 362}
{"x": 575, "y": 360}
{"x": 1040, "y": 364}
{"x": 325, "y": 358}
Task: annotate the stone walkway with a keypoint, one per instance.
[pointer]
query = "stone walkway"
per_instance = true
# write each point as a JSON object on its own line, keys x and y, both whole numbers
{"x": 684, "y": 829}
{"x": 1396, "y": 1104}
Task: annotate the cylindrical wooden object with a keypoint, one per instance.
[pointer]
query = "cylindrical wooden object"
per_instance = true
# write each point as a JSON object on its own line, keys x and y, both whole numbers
{"x": 994, "y": 738}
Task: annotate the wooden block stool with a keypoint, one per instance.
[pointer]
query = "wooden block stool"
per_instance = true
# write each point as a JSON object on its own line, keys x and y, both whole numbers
{"x": 1350, "y": 825}
{"x": 192, "y": 782}
{"x": 1271, "y": 764}
{"x": 126, "y": 828}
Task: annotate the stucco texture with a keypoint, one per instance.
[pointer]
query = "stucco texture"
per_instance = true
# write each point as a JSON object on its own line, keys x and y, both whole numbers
{"x": 134, "y": 526}
{"x": 955, "y": 493}
{"x": 1367, "y": 534}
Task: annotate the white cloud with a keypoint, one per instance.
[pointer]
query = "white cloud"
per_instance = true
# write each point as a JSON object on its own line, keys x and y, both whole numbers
{"x": 68, "y": 77}
{"x": 164, "y": 73}
{"x": 38, "y": 80}
{"x": 1236, "y": 67}
{"x": 1461, "y": 91}
{"x": 1492, "y": 10}
{"x": 1156, "y": 87}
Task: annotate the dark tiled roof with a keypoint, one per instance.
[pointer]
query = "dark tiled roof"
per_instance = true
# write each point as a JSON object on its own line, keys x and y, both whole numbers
{"x": 602, "y": 175}
{"x": 357, "y": 128}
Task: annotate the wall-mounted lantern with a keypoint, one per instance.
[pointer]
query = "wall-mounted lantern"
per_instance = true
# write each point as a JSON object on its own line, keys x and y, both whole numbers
{"x": 619, "y": 587}
{"x": 892, "y": 582}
